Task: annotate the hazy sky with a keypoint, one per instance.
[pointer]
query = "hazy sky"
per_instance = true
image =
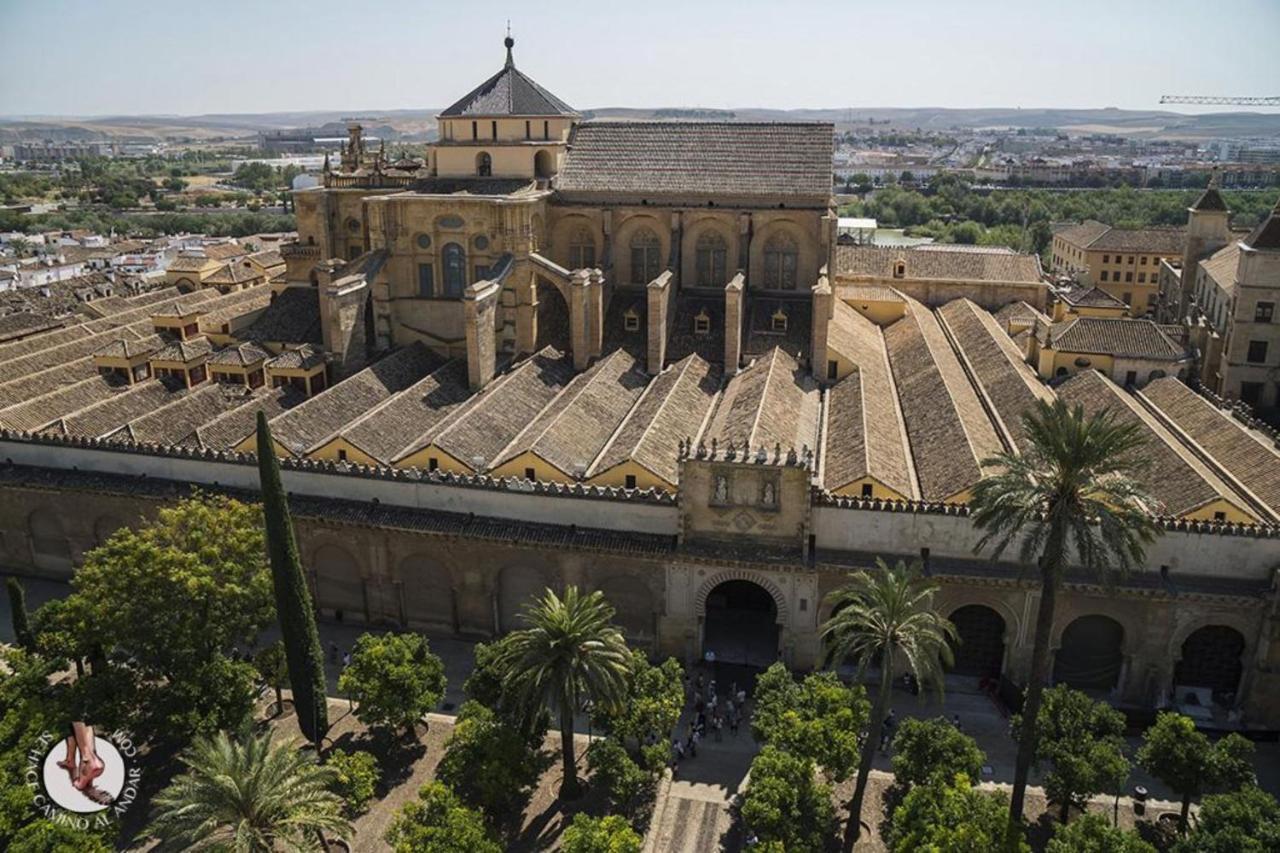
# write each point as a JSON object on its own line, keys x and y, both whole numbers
{"x": 96, "y": 57}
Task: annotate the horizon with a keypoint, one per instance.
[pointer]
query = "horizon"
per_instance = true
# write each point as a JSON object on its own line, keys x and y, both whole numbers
{"x": 998, "y": 55}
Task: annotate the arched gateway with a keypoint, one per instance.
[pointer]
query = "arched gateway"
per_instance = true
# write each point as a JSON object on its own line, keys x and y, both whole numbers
{"x": 742, "y": 619}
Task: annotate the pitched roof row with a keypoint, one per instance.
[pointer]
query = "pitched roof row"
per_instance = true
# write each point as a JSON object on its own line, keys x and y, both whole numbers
{"x": 947, "y": 263}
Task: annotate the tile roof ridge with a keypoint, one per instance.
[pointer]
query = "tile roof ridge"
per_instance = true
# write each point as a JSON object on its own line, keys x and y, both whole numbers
{"x": 516, "y": 443}
{"x": 1003, "y": 433}
{"x": 951, "y": 395}
{"x": 912, "y": 477}
{"x": 682, "y": 366}
{"x": 1255, "y": 502}
{"x": 347, "y": 427}
{"x": 764, "y": 395}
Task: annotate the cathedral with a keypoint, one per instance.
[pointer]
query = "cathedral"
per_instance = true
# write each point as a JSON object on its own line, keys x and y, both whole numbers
{"x": 634, "y": 356}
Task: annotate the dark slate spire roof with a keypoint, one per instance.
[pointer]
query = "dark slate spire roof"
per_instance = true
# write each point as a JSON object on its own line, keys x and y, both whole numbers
{"x": 509, "y": 93}
{"x": 1211, "y": 199}
{"x": 1267, "y": 235}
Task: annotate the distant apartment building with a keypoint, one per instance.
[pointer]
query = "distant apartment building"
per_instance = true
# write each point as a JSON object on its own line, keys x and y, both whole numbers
{"x": 56, "y": 151}
{"x": 1124, "y": 262}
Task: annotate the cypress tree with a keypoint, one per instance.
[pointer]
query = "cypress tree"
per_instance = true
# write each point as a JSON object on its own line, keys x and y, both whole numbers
{"x": 303, "y": 654}
{"x": 18, "y": 607}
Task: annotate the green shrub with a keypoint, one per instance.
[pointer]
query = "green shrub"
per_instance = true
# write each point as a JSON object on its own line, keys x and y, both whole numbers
{"x": 358, "y": 776}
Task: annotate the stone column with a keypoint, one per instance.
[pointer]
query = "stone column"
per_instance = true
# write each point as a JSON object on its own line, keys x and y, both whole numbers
{"x": 479, "y": 307}
{"x": 526, "y": 307}
{"x": 658, "y": 295}
{"x": 822, "y": 311}
{"x": 580, "y": 318}
{"x": 595, "y": 312}
{"x": 733, "y": 324}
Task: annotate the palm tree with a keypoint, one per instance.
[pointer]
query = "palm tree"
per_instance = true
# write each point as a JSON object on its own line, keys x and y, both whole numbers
{"x": 1071, "y": 494}
{"x": 883, "y": 615}
{"x": 570, "y": 652}
{"x": 248, "y": 796}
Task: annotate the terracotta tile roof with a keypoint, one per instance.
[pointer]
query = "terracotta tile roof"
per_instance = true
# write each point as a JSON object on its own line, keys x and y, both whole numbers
{"x": 301, "y": 428}
{"x": 298, "y": 358}
{"x": 130, "y": 347}
{"x": 412, "y": 416}
{"x": 575, "y": 426}
{"x": 232, "y": 305}
{"x": 870, "y": 293}
{"x": 268, "y": 258}
{"x": 1008, "y": 384}
{"x": 878, "y": 262}
{"x": 35, "y": 414}
{"x": 1082, "y": 234}
{"x": 615, "y": 328}
{"x": 864, "y": 434}
{"x": 240, "y": 355}
{"x": 759, "y": 336}
{"x": 173, "y": 423}
{"x": 293, "y": 317}
{"x": 1251, "y": 459}
{"x": 752, "y": 159}
{"x": 682, "y": 340}
{"x": 42, "y": 359}
{"x": 772, "y": 402}
{"x": 225, "y": 251}
{"x": 1165, "y": 241}
{"x": 105, "y": 417}
{"x": 46, "y": 380}
{"x": 1119, "y": 336}
{"x": 950, "y": 434}
{"x": 1172, "y": 475}
{"x": 494, "y": 417}
{"x": 1221, "y": 266}
{"x": 189, "y": 263}
{"x": 509, "y": 93}
{"x": 674, "y": 406}
{"x": 1020, "y": 314}
{"x": 231, "y": 274}
{"x": 184, "y": 351}
{"x": 230, "y": 428}
{"x": 1090, "y": 297}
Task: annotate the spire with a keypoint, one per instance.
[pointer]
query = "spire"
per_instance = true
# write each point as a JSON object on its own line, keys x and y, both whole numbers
{"x": 510, "y": 43}
{"x": 1211, "y": 199}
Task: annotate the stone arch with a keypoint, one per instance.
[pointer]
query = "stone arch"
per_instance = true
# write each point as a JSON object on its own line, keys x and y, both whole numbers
{"x": 542, "y": 163}
{"x": 427, "y": 586}
{"x": 983, "y": 640}
{"x": 775, "y": 234}
{"x": 519, "y": 585}
{"x": 1211, "y": 656}
{"x": 553, "y": 317}
{"x": 633, "y": 602}
{"x": 779, "y": 599}
{"x": 338, "y": 580}
{"x": 484, "y": 164}
{"x": 700, "y": 230}
{"x": 50, "y": 547}
{"x": 1091, "y": 653}
{"x": 622, "y": 257}
{"x": 581, "y": 250}
{"x": 561, "y": 238}
{"x": 105, "y": 525}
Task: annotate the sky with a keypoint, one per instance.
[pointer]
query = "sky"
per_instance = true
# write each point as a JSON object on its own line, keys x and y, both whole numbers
{"x": 128, "y": 57}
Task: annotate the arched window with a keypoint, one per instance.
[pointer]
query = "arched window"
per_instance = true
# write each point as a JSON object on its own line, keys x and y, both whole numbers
{"x": 542, "y": 164}
{"x": 710, "y": 253}
{"x": 582, "y": 249}
{"x": 781, "y": 261}
{"x": 646, "y": 256}
{"x": 484, "y": 164}
{"x": 454, "y": 259}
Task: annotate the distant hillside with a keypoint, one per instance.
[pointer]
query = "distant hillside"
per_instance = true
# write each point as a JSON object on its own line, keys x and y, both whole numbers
{"x": 1141, "y": 123}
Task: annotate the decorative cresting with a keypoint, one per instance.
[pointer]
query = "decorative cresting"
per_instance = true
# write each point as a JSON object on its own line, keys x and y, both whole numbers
{"x": 779, "y": 600}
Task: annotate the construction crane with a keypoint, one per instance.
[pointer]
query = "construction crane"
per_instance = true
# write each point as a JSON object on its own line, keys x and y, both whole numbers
{"x": 1218, "y": 99}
